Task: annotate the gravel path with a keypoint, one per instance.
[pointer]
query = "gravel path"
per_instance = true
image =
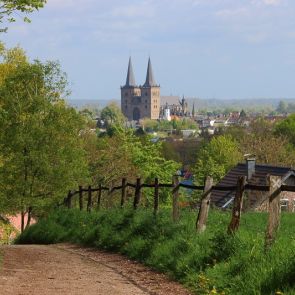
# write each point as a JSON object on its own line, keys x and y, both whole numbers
{"x": 67, "y": 269}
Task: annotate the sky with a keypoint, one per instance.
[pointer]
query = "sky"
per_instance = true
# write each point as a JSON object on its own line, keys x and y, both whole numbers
{"x": 199, "y": 48}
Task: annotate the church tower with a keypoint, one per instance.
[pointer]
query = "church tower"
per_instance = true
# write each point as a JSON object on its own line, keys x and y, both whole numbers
{"x": 130, "y": 95}
{"x": 150, "y": 93}
{"x": 143, "y": 101}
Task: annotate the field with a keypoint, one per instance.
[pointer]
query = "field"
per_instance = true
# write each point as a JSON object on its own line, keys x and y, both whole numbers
{"x": 208, "y": 263}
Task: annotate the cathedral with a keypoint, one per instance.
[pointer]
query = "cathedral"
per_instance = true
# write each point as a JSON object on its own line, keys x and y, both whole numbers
{"x": 139, "y": 102}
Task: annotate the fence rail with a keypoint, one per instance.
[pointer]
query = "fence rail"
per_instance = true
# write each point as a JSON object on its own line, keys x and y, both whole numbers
{"x": 273, "y": 189}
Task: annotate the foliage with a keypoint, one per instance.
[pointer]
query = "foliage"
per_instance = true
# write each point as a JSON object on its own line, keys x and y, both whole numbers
{"x": 287, "y": 128}
{"x": 112, "y": 115}
{"x": 217, "y": 157}
{"x": 208, "y": 263}
{"x": 260, "y": 139}
{"x": 282, "y": 107}
{"x": 40, "y": 144}
{"x": 125, "y": 155}
{"x": 9, "y": 7}
{"x": 7, "y": 232}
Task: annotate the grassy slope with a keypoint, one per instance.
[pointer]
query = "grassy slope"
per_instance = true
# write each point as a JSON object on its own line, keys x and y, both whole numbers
{"x": 209, "y": 263}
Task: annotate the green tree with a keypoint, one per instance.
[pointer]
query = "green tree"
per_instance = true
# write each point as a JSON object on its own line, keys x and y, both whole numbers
{"x": 9, "y": 7}
{"x": 39, "y": 138}
{"x": 112, "y": 114}
{"x": 217, "y": 157}
{"x": 282, "y": 107}
{"x": 287, "y": 128}
{"x": 113, "y": 118}
{"x": 126, "y": 155}
{"x": 262, "y": 139}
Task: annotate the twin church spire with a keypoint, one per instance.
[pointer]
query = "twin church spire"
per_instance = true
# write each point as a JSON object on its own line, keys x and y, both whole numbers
{"x": 149, "y": 81}
{"x": 130, "y": 80}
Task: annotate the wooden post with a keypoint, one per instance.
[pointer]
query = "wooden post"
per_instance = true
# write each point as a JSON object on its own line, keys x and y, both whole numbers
{"x": 69, "y": 200}
{"x": 81, "y": 197}
{"x": 175, "y": 193}
{"x": 156, "y": 197}
{"x": 110, "y": 196}
{"x": 123, "y": 195}
{"x": 137, "y": 193}
{"x": 237, "y": 207}
{"x": 89, "y": 200}
{"x": 205, "y": 205}
{"x": 274, "y": 211}
{"x": 99, "y": 197}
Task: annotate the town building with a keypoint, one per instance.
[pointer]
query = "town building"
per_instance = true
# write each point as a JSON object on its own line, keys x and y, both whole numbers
{"x": 139, "y": 102}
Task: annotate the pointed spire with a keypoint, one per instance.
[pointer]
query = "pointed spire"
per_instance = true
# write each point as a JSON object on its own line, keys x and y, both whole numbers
{"x": 150, "y": 80}
{"x": 130, "y": 80}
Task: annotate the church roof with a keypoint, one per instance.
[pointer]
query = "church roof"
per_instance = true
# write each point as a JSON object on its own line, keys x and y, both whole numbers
{"x": 130, "y": 80}
{"x": 170, "y": 100}
{"x": 150, "y": 79}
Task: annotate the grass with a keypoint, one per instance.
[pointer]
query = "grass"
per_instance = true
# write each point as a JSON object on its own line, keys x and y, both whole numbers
{"x": 208, "y": 263}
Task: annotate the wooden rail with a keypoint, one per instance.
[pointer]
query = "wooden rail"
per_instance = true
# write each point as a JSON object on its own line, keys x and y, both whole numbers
{"x": 272, "y": 197}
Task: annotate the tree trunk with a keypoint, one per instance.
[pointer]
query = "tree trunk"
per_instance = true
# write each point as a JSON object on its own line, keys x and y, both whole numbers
{"x": 29, "y": 217}
{"x": 22, "y": 227}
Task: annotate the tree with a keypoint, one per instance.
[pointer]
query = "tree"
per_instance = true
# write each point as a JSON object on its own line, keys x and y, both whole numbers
{"x": 287, "y": 128}
{"x": 112, "y": 114}
{"x": 217, "y": 157}
{"x": 124, "y": 155}
{"x": 39, "y": 138}
{"x": 243, "y": 114}
{"x": 282, "y": 107}
{"x": 9, "y": 7}
{"x": 260, "y": 139}
{"x": 112, "y": 117}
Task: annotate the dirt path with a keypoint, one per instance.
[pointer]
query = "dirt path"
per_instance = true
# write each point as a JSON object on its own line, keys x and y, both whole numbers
{"x": 67, "y": 269}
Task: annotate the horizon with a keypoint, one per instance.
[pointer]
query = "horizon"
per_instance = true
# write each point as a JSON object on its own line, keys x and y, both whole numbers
{"x": 218, "y": 50}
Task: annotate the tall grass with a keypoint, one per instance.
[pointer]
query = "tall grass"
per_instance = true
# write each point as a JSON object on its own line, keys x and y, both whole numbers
{"x": 209, "y": 263}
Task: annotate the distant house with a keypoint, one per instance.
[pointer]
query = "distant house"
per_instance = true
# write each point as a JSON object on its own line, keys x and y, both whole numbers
{"x": 256, "y": 174}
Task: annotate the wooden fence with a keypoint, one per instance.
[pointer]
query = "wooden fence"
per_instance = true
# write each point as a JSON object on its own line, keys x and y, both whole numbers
{"x": 273, "y": 199}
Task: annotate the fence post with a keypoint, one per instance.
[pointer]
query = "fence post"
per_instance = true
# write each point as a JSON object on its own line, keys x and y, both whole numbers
{"x": 123, "y": 195}
{"x": 274, "y": 210}
{"x": 110, "y": 196}
{"x": 81, "y": 197}
{"x": 89, "y": 200}
{"x": 69, "y": 200}
{"x": 137, "y": 194}
{"x": 205, "y": 205}
{"x": 237, "y": 208}
{"x": 175, "y": 193}
{"x": 156, "y": 197}
{"x": 99, "y": 197}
